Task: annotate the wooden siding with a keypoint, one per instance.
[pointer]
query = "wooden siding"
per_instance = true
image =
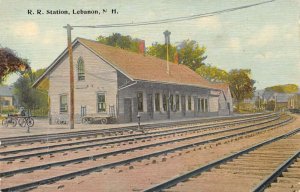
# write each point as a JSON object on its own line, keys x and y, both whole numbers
{"x": 213, "y": 104}
{"x": 99, "y": 78}
{"x": 150, "y": 88}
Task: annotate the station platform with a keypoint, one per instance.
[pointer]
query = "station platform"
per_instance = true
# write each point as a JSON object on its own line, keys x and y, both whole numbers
{"x": 41, "y": 126}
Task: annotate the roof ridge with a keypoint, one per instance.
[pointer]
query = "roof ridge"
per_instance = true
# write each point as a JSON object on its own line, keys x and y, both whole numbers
{"x": 125, "y": 50}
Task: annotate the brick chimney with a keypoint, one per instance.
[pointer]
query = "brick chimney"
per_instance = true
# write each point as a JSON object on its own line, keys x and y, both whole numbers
{"x": 142, "y": 47}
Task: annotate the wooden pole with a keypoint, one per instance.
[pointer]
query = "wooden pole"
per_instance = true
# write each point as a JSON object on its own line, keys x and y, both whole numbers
{"x": 71, "y": 118}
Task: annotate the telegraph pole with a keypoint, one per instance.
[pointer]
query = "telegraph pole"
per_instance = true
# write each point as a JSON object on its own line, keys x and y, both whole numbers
{"x": 258, "y": 102}
{"x": 71, "y": 119}
{"x": 275, "y": 105}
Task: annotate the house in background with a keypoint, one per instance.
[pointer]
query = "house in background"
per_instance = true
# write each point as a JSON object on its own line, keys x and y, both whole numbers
{"x": 113, "y": 81}
{"x": 294, "y": 101}
{"x": 281, "y": 100}
{"x": 7, "y": 100}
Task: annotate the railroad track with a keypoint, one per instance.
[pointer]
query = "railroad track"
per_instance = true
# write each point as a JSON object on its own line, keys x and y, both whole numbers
{"x": 83, "y": 169}
{"x": 128, "y": 138}
{"x": 100, "y": 155}
{"x": 109, "y": 131}
{"x": 286, "y": 177}
{"x": 242, "y": 170}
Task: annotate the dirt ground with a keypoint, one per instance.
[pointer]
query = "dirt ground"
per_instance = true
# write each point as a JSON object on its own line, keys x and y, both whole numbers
{"x": 141, "y": 175}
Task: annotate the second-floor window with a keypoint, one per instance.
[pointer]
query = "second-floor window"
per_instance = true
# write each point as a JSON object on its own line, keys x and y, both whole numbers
{"x": 80, "y": 69}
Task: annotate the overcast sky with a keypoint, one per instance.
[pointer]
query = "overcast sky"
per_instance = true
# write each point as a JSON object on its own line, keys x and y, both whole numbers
{"x": 264, "y": 38}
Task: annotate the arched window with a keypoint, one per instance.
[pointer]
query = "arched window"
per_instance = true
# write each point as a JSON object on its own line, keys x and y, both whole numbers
{"x": 80, "y": 69}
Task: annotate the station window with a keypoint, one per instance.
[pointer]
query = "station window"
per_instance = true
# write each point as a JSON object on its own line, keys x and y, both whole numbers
{"x": 80, "y": 69}
{"x": 157, "y": 102}
{"x": 165, "y": 105}
{"x": 101, "y": 102}
{"x": 202, "y": 105}
{"x": 5, "y": 103}
{"x": 206, "y": 105}
{"x": 171, "y": 102}
{"x": 189, "y": 103}
{"x": 199, "y": 105}
{"x": 140, "y": 101}
{"x": 63, "y": 100}
{"x": 177, "y": 102}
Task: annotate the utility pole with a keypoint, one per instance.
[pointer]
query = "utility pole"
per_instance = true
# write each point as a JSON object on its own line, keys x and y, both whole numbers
{"x": 167, "y": 42}
{"x": 71, "y": 118}
{"x": 275, "y": 107}
{"x": 258, "y": 102}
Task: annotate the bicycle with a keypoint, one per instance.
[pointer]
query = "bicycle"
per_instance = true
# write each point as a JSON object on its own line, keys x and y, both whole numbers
{"x": 23, "y": 121}
{"x": 9, "y": 120}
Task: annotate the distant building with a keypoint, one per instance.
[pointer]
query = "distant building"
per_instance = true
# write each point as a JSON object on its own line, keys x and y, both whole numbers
{"x": 6, "y": 97}
{"x": 113, "y": 81}
{"x": 294, "y": 101}
{"x": 281, "y": 100}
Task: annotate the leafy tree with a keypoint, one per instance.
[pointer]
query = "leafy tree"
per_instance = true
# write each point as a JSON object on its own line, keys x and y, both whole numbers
{"x": 241, "y": 84}
{"x": 288, "y": 88}
{"x": 27, "y": 96}
{"x": 10, "y": 63}
{"x": 191, "y": 54}
{"x": 121, "y": 41}
{"x": 160, "y": 51}
{"x": 270, "y": 106}
{"x": 213, "y": 74}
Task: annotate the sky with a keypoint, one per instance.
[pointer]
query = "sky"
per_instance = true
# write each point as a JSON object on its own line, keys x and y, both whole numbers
{"x": 265, "y": 38}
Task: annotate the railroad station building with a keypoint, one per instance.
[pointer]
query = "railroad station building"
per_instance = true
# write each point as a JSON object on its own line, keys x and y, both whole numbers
{"x": 123, "y": 84}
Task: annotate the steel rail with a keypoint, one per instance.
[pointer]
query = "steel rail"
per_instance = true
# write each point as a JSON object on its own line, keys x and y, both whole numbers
{"x": 11, "y": 158}
{"x": 198, "y": 171}
{"x": 123, "y": 162}
{"x": 273, "y": 176}
{"x": 54, "y": 136}
{"x": 134, "y": 137}
{"x": 93, "y": 157}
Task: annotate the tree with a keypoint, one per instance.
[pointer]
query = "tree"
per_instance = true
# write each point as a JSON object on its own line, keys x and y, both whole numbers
{"x": 160, "y": 51}
{"x": 241, "y": 84}
{"x": 121, "y": 41}
{"x": 11, "y": 63}
{"x": 288, "y": 88}
{"x": 27, "y": 96}
{"x": 191, "y": 54}
{"x": 270, "y": 106}
{"x": 213, "y": 74}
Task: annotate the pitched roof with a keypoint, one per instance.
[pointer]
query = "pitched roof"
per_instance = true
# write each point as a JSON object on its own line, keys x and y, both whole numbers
{"x": 225, "y": 88}
{"x": 149, "y": 68}
{"x": 283, "y": 97}
{"x": 140, "y": 67}
{"x": 6, "y": 91}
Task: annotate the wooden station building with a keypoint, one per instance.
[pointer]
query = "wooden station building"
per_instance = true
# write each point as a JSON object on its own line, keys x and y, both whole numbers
{"x": 120, "y": 83}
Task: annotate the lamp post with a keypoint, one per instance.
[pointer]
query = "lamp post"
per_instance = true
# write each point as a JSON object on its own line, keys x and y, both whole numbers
{"x": 139, "y": 122}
